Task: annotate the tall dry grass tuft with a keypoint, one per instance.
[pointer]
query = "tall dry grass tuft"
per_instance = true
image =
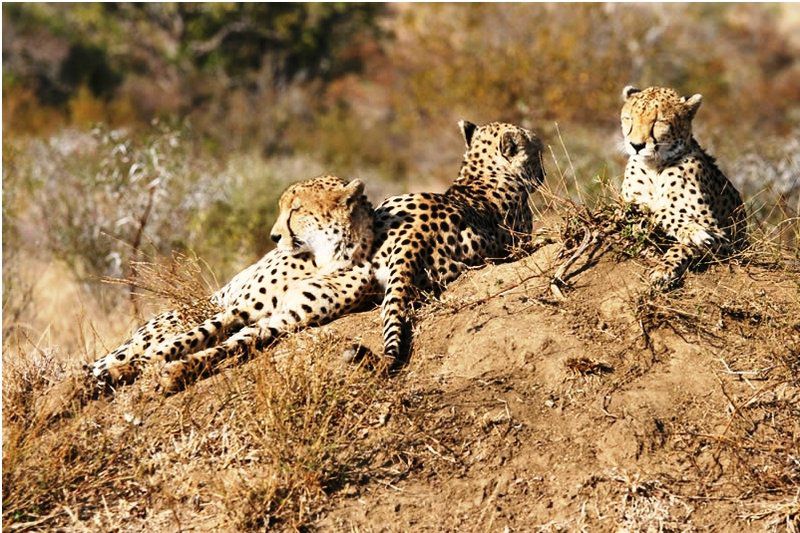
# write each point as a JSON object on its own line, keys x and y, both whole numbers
{"x": 311, "y": 414}
{"x": 24, "y": 379}
{"x": 183, "y": 282}
{"x": 43, "y": 456}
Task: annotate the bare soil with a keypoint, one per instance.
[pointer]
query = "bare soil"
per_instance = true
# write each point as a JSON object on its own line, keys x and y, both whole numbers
{"x": 614, "y": 409}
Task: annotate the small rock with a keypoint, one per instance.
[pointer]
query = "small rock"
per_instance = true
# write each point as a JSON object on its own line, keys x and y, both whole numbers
{"x": 349, "y": 354}
{"x": 384, "y": 414}
{"x": 131, "y": 419}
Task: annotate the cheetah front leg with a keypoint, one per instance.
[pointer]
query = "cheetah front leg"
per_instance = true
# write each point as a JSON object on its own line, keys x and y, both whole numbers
{"x": 694, "y": 241}
{"x": 202, "y": 336}
{"x": 309, "y": 302}
{"x": 402, "y": 290}
{"x": 123, "y": 364}
{"x": 672, "y": 266}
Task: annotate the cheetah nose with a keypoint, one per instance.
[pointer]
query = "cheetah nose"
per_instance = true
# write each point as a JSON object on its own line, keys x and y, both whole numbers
{"x": 275, "y": 238}
{"x": 637, "y": 147}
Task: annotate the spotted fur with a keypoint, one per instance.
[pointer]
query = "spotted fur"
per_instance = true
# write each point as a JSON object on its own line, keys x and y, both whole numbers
{"x": 672, "y": 177}
{"x": 424, "y": 240}
{"x": 319, "y": 270}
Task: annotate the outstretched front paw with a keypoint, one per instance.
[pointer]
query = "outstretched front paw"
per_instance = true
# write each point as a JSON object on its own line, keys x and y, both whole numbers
{"x": 698, "y": 236}
{"x": 101, "y": 372}
{"x": 663, "y": 277}
{"x": 173, "y": 377}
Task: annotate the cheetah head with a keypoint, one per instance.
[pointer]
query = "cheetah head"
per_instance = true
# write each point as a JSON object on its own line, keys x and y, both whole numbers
{"x": 326, "y": 217}
{"x": 657, "y": 122}
{"x": 508, "y": 148}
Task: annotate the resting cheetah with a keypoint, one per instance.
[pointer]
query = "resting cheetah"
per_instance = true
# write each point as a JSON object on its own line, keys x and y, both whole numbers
{"x": 672, "y": 177}
{"x": 425, "y": 240}
{"x": 319, "y": 270}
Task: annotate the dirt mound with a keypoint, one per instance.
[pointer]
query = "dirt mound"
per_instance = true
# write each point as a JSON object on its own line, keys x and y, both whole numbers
{"x": 619, "y": 408}
{"x": 611, "y": 408}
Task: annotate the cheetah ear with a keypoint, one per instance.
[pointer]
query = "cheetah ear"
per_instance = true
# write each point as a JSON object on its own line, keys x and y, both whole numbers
{"x": 352, "y": 191}
{"x": 509, "y": 145}
{"x": 629, "y": 91}
{"x": 467, "y": 130}
{"x": 692, "y": 104}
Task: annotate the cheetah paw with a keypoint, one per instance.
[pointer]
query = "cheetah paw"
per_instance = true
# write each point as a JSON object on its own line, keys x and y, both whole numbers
{"x": 359, "y": 354}
{"x": 702, "y": 238}
{"x": 387, "y": 365}
{"x": 662, "y": 278}
{"x": 114, "y": 375}
{"x": 356, "y": 353}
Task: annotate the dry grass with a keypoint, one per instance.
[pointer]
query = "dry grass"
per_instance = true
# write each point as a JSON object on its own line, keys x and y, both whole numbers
{"x": 183, "y": 282}
{"x": 266, "y": 445}
{"x": 291, "y": 430}
{"x": 755, "y": 337}
{"x": 260, "y": 446}
{"x": 297, "y": 420}
{"x": 311, "y": 415}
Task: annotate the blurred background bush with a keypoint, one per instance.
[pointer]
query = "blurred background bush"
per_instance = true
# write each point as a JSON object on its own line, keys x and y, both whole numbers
{"x": 130, "y": 130}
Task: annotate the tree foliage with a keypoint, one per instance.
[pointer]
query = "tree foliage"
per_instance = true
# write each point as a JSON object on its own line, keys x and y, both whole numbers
{"x": 178, "y": 50}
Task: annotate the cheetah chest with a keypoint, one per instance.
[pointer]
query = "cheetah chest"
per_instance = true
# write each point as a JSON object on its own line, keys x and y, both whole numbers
{"x": 658, "y": 191}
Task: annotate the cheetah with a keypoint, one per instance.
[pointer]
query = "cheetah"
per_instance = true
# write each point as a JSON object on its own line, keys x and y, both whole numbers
{"x": 670, "y": 176}
{"x": 319, "y": 270}
{"x": 425, "y": 240}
